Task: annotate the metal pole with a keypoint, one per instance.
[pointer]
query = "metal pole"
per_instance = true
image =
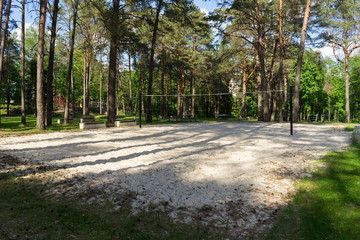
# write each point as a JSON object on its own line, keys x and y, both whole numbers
{"x": 140, "y": 107}
{"x": 291, "y": 110}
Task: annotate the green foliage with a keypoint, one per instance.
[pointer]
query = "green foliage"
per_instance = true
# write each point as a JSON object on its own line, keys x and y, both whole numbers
{"x": 355, "y": 87}
{"x": 313, "y": 98}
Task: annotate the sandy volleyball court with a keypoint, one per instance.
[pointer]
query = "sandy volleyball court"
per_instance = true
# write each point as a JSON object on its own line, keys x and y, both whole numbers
{"x": 227, "y": 174}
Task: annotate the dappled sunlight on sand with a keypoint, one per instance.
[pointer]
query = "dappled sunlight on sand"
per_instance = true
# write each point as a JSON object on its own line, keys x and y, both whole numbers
{"x": 227, "y": 174}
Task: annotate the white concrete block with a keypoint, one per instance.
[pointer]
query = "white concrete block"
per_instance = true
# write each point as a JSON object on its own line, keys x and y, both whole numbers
{"x": 92, "y": 125}
{"x": 125, "y": 123}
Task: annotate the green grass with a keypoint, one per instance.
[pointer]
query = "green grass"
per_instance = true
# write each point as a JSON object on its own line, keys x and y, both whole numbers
{"x": 350, "y": 128}
{"x": 13, "y": 126}
{"x": 326, "y": 206}
{"x": 25, "y": 213}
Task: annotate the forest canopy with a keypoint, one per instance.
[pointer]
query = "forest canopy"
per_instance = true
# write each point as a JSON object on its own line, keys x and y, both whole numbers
{"x": 169, "y": 58}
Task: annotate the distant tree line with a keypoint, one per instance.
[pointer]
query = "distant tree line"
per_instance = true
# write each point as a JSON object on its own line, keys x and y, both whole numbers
{"x": 172, "y": 59}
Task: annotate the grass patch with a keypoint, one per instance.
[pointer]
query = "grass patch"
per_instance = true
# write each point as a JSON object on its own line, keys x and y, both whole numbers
{"x": 349, "y": 128}
{"x": 326, "y": 206}
{"x": 13, "y": 126}
{"x": 25, "y": 213}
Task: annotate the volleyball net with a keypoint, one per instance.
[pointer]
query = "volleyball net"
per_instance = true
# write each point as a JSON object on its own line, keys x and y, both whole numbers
{"x": 205, "y": 105}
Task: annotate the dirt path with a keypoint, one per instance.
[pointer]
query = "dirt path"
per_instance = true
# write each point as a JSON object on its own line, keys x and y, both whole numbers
{"x": 235, "y": 174}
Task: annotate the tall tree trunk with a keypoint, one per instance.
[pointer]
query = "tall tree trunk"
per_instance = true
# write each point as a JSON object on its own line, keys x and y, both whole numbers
{"x": 329, "y": 108}
{"x": 88, "y": 78}
{"x": 91, "y": 72}
{"x": 119, "y": 90}
{"x": 73, "y": 93}
{"x": 299, "y": 63}
{"x": 347, "y": 92}
{"x": 167, "y": 94}
{"x": 84, "y": 85}
{"x": 273, "y": 105}
{"x": 40, "y": 103}
{"x": 101, "y": 80}
{"x": 112, "y": 69}
{"x": 3, "y": 40}
{"x": 281, "y": 63}
{"x": 243, "y": 99}
{"x": 1, "y": 12}
{"x": 23, "y": 113}
{"x": 266, "y": 116}
{"x": 270, "y": 82}
{"x": 137, "y": 93}
{"x": 193, "y": 82}
{"x": 151, "y": 65}
{"x": 183, "y": 95}
{"x": 142, "y": 91}
{"x": 71, "y": 57}
{"x": 130, "y": 86}
{"x": 50, "y": 94}
{"x": 193, "y": 97}
{"x": 178, "y": 98}
{"x": 162, "y": 78}
{"x": 260, "y": 112}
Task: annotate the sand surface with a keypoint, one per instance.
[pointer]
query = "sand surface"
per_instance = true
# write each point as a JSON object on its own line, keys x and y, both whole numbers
{"x": 224, "y": 174}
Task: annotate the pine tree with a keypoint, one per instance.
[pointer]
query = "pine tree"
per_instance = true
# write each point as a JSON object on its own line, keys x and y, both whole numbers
{"x": 342, "y": 19}
{"x": 3, "y": 40}
{"x": 50, "y": 94}
{"x": 40, "y": 103}
{"x": 295, "y": 112}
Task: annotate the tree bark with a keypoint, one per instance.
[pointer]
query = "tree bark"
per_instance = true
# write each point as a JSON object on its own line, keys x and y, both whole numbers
{"x": 162, "y": 78}
{"x": 71, "y": 58}
{"x": 260, "y": 112}
{"x": 243, "y": 99}
{"x": 130, "y": 86}
{"x": 112, "y": 69}
{"x": 23, "y": 112}
{"x": 281, "y": 63}
{"x": 193, "y": 97}
{"x": 329, "y": 106}
{"x": 50, "y": 94}
{"x": 167, "y": 94}
{"x": 142, "y": 91}
{"x": 87, "y": 78}
{"x": 270, "y": 82}
{"x": 84, "y": 85}
{"x": 286, "y": 99}
{"x": 151, "y": 65}
{"x": 101, "y": 80}
{"x": 264, "y": 84}
{"x": 299, "y": 63}
{"x": 40, "y": 103}
{"x": 3, "y": 40}
{"x": 1, "y": 13}
{"x": 137, "y": 93}
{"x": 347, "y": 92}
{"x": 261, "y": 63}
{"x": 178, "y": 98}
{"x": 73, "y": 93}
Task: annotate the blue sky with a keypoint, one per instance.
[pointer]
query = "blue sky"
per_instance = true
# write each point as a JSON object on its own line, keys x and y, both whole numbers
{"x": 209, "y": 5}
